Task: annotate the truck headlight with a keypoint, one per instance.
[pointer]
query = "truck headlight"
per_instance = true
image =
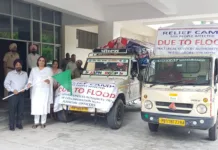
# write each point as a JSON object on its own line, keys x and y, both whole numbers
{"x": 148, "y": 104}
{"x": 202, "y": 109}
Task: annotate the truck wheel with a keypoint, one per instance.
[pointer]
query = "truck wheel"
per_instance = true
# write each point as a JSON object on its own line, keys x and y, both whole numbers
{"x": 213, "y": 133}
{"x": 65, "y": 116}
{"x": 153, "y": 127}
{"x": 116, "y": 114}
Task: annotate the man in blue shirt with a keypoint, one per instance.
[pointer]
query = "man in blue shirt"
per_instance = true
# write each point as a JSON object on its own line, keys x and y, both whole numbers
{"x": 15, "y": 81}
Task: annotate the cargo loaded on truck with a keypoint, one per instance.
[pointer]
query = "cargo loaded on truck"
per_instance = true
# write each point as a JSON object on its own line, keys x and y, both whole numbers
{"x": 181, "y": 84}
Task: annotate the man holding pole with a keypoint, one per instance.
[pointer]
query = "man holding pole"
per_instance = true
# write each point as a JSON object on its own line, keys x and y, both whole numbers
{"x": 16, "y": 81}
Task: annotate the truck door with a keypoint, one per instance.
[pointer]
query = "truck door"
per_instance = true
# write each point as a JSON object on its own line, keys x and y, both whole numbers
{"x": 134, "y": 83}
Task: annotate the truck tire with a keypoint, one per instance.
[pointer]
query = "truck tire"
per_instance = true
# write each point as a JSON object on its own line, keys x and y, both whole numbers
{"x": 213, "y": 132}
{"x": 153, "y": 127}
{"x": 65, "y": 116}
{"x": 116, "y": 115}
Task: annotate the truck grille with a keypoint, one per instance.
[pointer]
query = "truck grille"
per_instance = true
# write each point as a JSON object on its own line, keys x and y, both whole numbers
{"x": 180, "y": 107}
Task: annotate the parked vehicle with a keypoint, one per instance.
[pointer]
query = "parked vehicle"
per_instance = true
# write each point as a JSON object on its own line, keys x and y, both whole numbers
{"x": 181, "y": 85}
{"x": 108, "y": 83}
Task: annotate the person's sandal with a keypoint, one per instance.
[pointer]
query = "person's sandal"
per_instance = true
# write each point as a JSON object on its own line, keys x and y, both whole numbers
{"x": 35, "y": 126}
{"x": 43, "y": 126}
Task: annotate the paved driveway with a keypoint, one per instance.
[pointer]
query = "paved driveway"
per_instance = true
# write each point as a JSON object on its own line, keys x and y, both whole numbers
{"x": 83, "y": 134}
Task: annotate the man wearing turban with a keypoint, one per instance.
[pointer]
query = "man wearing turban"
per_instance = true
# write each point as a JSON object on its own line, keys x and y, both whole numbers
{"x": 32, "y": 57}
{"x": 9, "y": 59}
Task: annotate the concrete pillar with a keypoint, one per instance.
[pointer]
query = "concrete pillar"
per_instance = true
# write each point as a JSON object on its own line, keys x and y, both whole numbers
{"x": 108, "y": 31}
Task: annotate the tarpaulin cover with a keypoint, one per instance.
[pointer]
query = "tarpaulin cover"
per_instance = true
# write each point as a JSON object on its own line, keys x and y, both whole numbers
{"x": 143, "y": 50}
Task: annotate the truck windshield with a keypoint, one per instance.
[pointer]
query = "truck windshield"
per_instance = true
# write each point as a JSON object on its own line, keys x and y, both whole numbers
{"x": 106, "y": 67}
{"x": 184, "y": 71}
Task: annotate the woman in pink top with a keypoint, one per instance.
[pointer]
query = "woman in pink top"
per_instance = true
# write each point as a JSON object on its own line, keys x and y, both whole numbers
{"x": 55, "y": 70}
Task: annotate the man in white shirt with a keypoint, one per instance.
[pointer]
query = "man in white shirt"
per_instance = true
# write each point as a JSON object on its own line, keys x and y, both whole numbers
{"x": 72, "y": 64}
{"x": 15, "y": 81}
{"x": 32, "y": 58}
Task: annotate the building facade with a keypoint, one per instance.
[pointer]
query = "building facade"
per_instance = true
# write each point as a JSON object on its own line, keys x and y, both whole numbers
{"x": 28, "y": 23}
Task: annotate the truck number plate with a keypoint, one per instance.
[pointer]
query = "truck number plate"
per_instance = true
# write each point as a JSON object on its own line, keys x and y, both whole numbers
{"x": 81, "y": 109}
{"x": 172, "y": 122}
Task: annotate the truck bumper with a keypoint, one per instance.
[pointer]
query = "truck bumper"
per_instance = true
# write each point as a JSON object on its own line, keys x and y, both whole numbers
{"x": 202, "y": 123}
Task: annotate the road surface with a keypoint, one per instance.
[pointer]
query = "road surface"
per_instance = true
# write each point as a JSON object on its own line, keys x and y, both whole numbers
{"x": 83, "y": 134}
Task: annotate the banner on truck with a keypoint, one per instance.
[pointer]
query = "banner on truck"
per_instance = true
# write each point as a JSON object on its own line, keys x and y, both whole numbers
{"x": 91, "y": 95}
{"x": 187, "y": 41}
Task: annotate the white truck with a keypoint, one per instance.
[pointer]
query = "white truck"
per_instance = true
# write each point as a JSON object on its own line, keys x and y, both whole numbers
{"x": 181, "y": 85}
{"x": 108, "y": 83}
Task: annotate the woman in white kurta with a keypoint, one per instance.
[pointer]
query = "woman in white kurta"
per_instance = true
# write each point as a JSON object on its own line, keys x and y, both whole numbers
{"x": 42, "y": 92}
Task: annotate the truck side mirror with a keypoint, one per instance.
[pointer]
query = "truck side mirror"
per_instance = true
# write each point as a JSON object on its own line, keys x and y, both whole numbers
{"x": 133, "y": 74}
{"x": 216, "y": 79}
{"x": 134, "y": 70}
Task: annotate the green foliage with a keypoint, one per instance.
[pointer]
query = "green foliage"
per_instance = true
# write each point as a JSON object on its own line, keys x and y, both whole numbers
{"x": 15, "y": 35}
{"x": 46, "y": 38}
{"x": 5, "y": 34}
{"x": 48, "y": 52}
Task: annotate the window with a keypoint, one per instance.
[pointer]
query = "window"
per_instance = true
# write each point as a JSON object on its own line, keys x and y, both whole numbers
{"x": 190, "y": 67}
{"x": 105, "y": 67}
{"x": 47, "y": 16}
{"x": 5, "y": 6}
{"x": 57, "y": 35}
{"x": 57, "y": 51}
{"x": 21, "y": 9}
{"x": 185, "y": 71}
{"x": 58, "y": 18}
{"x": 216, "y": 68}
{"x": 5, "y": 26}
{"x": 87, "y": 40}
{"x": 47, "y": 33}
{"x": 48, "y": 53}
{"x": 36, "y": 31}
{"x": 193, "y": 66}
{"x": 36, "y": 13}
{"x": 21, "y": 29}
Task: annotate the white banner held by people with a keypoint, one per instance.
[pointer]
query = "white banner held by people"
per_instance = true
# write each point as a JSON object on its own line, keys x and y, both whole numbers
{"x": 91, "y": 95}
{"x": 196, "y": 40}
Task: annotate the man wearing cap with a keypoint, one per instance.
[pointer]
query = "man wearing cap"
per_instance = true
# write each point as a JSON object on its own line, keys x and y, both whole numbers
{"x": 15, "y": 82}
{"x": 79, "y": 70}
{"x": 32, "y": 58}
{"x": 72, "y": 64}
{"x": 9, "y": 59}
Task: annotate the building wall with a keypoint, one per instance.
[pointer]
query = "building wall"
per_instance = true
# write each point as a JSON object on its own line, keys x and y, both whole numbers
{"x": 71, "y": 41}
{"x": 140, "y": 31}
{"x": 129, "y": 31}
{"x": 129, "y": 34}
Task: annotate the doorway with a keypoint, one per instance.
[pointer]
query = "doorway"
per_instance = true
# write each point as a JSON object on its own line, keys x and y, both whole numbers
{"x": 21, "y": 49}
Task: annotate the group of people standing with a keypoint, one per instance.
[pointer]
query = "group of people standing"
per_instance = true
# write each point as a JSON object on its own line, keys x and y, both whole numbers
{"x": 71, "y": 64}
{"x": 38, "y": 80}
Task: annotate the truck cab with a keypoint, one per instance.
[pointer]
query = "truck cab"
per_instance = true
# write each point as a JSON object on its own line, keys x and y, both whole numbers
{"x": 108, "y": 83}
{"x": 181, "y": 90}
